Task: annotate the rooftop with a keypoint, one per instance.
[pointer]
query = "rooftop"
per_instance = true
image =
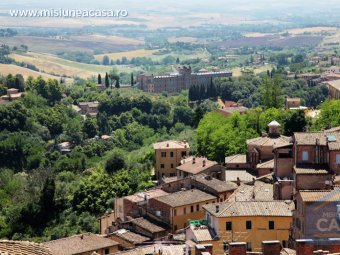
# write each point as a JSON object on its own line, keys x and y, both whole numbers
{"x": 267, "y": 164}
{"x": 79, "y": 244}
{"x": 260, "y": 191}
{"x": 320, "y": 195}
{"x": 186, "y": 197}
{"x": 310, "y": 169}
{"x": 335, "y": 84}
{"x": 150, "y": 249}
{"x": 240, "y": 109}
{"x": 22, "y": 248}
{"x": 140, "y": 197}
{"x": 171, "y": 145}
{"x": 235, "y": 175}
{"x": 201, "y": 233}
{"x": 215, "y": 184}
{"x": 235, "y": 159}
{"x": 145, "y": 224}
{"x": 312, "y": 138}
{"x": 269, "y": 141}
{"x": 250, "y": 208}
{"x": 195, "y": 165}
{"x": 130, "y": 236}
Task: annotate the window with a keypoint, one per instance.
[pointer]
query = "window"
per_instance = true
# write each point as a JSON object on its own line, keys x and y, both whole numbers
{"x": 172, "y": 165}
{"x": 197, "y": 208}
{"x": 271, "y": 224}
{"x": 192, "y": 208}
{"x": 107, "y": 251}
{"x": 184, "y": 210}
{"x": 175, "y": 212}
{"x": 338, "y": 159}
{"x": 228, "y": 226}
{"x": 305, "y": 155}
{"x": 225, "y": 246}
{"x": 284, "y": 243}
{"x": 249, "y": 247}
{"x": 162, "y": 166}
{"x": 184, "y": 153}
{"x": 163, "y": 154}
{"x": 171, "y": 154}
{"x": 175, "y": 227}
{"x": 248, "y": 224}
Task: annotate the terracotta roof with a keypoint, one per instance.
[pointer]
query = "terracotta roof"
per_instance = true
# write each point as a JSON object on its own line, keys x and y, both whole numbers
{"x": 250, "y": 208}
{"x": 147, "y": 225}
{"x": 243, "y": 175}
{"x": 309, "y": 169}
{"x": 335, "y": 84}
{"x": 140, "y": 197}
{"x": 201, "y": 233}
{"x": 166, "y": 250}
{"x": 269, "y": 141}
{"x": 260, "y": 191}
{"x": 79, "y": 244}
{"x": 320, "y": 195}
{"x": 215, "y": 184}
{"x": 186, "y": 197}
{"x": 130, "y": 236}
{"x": 311, "y": 138}
{"x": 239, "y": 158}
{"x": 267, "y": 164}
{"x": 196, "y": 165}
{"x": 22, "y": 248}
{"x": 171, "y": 145}
{"x": 169, "y": 179}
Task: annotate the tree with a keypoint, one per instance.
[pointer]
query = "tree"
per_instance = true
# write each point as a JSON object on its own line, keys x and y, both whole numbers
{"x": 99, "y": 79}
{"x": 295, "y": 122}
{"x": 106, "y": 60}
{"x": 177, "y": 60}
{"x": 113, "y": 75}
{"x": 115, "y": 162}
{"x": 90, "y": 127}
{"x": 107, "y": 83}
{"x": 132, "y": 80}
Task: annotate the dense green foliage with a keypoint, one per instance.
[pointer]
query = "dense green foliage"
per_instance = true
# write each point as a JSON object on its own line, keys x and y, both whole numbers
{"x": 218, "y": 136}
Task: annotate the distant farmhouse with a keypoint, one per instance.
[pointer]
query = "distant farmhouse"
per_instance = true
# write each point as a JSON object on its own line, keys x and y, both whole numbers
{"x": 184, "y": 79}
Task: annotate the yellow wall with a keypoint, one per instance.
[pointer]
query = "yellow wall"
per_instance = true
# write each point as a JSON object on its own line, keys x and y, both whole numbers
{"x": 168, "y": 160}
{"x": 260, "y": 231}
{"x": 181, "y": 219}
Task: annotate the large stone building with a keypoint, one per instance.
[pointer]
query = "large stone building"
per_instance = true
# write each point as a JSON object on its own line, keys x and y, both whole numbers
{"x": 184, "y": 79}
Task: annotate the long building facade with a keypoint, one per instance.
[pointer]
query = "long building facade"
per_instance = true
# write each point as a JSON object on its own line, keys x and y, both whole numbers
{"x": 182, "y": 80}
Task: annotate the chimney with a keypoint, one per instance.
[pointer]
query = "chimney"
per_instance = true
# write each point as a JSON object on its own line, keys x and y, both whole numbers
{"x": 271, "y": 247}
{"x": 238, "y": 182}
{"x": 304, "y": 246}
{"x": 239, "y": 248}
{"x": 193, "y": 160}
{"x": 81, "y": 236}
{"x": 203, "y": 162}
{"x": 167, "y": 145}
{"x": 217, "y": 208}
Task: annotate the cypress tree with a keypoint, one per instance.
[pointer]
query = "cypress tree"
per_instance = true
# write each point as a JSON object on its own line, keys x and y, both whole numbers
{"x": 132, "y": 81}
{"x": 99, "y": 79}
{"x": 107, "y": 83}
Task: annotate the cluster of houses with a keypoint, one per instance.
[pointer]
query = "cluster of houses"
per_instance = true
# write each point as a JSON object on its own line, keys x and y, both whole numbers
{"x": 281, "y": 197}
